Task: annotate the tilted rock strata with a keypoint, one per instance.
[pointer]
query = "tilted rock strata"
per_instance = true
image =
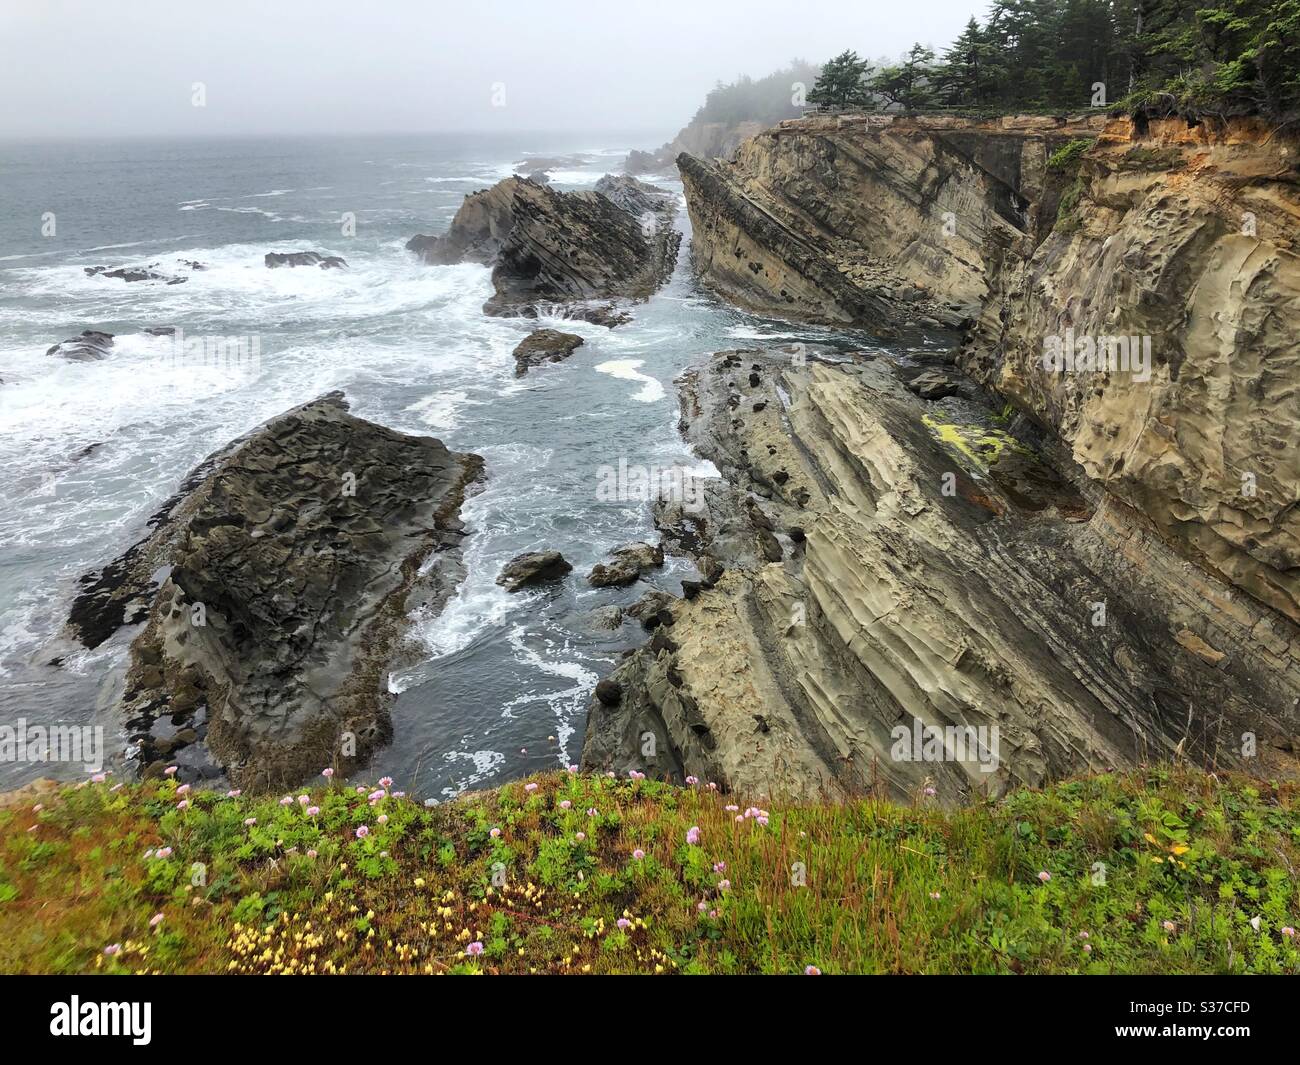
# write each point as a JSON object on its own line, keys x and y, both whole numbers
{"x": 290, "y": 560}
{"x": 897, "y": 602}
{"x": 866, "y": 219}
{"x": 1188, "y": 238}
{"x": 1185, "y": 235}
{"x": 547, "y": 247}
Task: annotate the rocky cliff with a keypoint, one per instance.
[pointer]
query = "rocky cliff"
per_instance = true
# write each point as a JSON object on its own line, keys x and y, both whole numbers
{"x": 875, "y": 561}
{"x": 1180, "y": 237}
{"x": 1099, "y": 572}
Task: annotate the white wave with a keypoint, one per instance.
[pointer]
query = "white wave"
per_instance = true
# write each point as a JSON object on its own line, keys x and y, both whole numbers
{"x": 575, "y": 177}
{"x": 628, "y": 370}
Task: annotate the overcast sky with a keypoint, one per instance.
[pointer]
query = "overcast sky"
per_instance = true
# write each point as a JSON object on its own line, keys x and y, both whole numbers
{"x": 128, "y": 67}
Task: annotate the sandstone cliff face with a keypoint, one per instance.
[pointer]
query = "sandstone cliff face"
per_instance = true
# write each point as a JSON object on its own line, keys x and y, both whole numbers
{"x": 862, "y": 220}
{"x": 275, "y": 585}
{"x": 1183, "y": 235}
{"x": 892, "y": 563}
{"x": 1188, "y": 237}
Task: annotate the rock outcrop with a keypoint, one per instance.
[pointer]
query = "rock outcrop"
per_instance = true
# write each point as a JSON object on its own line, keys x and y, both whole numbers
{"x": 533, "y": 567}
{"x": 91, "y": 346}
{"x": 552, "y": 252}
{"x": 869, "y": 219}
{"x": 1169, "y": 245}
{"x": 276, "y": 259}
{"x": 625, "y": 565}
{"x": 274, "y": 587}
{"x": 904, "y": 593}
{"x": 542, "y": 346}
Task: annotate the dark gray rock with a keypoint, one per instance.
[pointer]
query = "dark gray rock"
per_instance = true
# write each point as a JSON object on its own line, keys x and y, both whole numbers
{"x": 533, "y": 567}
{"x": 91, "y": 346}
{"x": 625, "y": 565}
{"x": 292, "y": 557}
{"x": 276, "y": 259}
{"x": 544, "y": 345}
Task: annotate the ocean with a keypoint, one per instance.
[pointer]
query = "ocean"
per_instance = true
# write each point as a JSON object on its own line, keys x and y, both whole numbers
{"x": 88, "y": 451}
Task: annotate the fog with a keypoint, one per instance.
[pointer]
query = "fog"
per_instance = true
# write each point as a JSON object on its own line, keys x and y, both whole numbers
{"x": 166, "y": 68}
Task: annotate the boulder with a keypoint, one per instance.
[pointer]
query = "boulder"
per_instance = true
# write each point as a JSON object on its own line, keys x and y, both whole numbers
{"x": 935, "y": 384}
{"x": 625, "y": 565}
{"x": 533, "y": 567}
{"x": 544, "y": 345}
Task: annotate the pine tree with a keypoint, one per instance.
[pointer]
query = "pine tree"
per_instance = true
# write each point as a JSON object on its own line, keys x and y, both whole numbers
{"x": 841, "y": 82}
{"x": 962, "y": 79}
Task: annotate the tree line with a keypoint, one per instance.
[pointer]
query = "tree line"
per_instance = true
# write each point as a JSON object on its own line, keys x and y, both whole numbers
{"x": 1225, "y": 56}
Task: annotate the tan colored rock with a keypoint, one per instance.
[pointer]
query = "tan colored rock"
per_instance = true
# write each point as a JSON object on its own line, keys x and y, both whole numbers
{"x": 905, "y": 605}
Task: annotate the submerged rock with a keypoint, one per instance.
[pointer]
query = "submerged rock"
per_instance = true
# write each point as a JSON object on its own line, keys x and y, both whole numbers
{"x": 276, "y": 259}
{"x": 133, "y": 273}
{"x": 275, "y": 586}
{"x": 533, "y": 567}
{"x": 91, "y": 346}
{"x": 544, "y": 345}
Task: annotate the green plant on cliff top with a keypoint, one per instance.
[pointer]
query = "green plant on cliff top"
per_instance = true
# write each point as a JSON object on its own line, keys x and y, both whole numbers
{"x": 1161, "y": 870}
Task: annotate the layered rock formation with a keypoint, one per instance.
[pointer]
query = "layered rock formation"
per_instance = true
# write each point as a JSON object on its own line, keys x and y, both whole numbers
{"x": 878, "y": 567}
{"x": 1180, "y": 236}
{"x": 868, "y": 219}
{"x": 274, "y": 586}
{"x": 550, "y": 248}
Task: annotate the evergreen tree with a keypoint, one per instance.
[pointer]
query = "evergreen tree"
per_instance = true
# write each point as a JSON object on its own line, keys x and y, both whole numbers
{"x": 908, "y": 84}
{"x": 841, "y": 82}
{"x": 1229, "y": 56}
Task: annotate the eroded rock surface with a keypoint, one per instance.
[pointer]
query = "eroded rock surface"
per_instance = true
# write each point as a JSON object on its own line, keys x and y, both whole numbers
{"x": 550, "y": 250}
{"x": 274, "y": 587}
{"x": 1181, "y": 237}
{"x": 931, "y": 569}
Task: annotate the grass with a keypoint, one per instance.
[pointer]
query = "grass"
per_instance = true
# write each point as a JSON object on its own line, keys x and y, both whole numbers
{"x": 1155, "y": 871}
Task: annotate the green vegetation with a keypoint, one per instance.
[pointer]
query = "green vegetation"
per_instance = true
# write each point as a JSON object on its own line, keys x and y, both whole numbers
{"x": 1162, "y": 56}
{"x": 1067, "y": 158}
{"x": 1162, "y": 870}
